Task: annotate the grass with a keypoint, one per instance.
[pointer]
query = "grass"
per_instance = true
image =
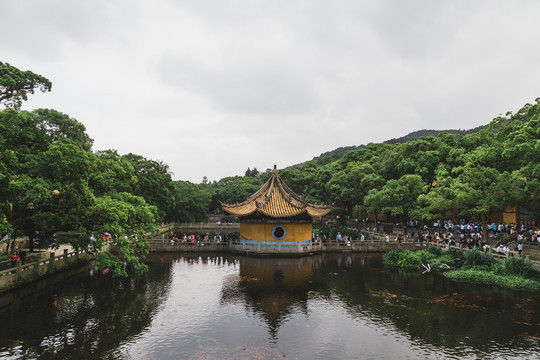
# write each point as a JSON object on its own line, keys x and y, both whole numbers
{"x": 477, "y": 276}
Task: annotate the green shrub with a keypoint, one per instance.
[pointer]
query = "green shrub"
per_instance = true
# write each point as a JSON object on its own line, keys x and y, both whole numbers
{"x": 443, "y": 260}
{"x": 435, "y": 250}
{"x": 392, "y": 258}
{"x": 478, "y": 258}
{"x": 496, "y": 268}
{"x": 425, "y": 256}
{"x": 518, "y": 266}
{"x": 410, "y": 261}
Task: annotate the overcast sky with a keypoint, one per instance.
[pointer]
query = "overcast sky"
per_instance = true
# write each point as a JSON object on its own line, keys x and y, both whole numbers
{"x": 212, "y": 87}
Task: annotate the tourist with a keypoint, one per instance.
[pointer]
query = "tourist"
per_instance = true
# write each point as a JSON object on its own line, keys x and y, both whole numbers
{"x": 387, "y": 238}
{"x": 506, "y": 250}
{"x": 520, "y": 248}
{"x": 13, "y": 258}
{"x": 22, "y": 256}
{"x": 339, "y": 237}
{"x": 362, "y": 238}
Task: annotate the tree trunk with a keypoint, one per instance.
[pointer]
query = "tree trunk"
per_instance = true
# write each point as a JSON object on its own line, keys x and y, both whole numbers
{"x": 483, "y": 223}
{"x": 12, "y": 245}
{"x": 376, "y": 221}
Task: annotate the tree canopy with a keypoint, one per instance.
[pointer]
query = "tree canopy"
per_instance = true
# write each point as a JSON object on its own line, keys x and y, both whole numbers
{"x": 15, "y": 85}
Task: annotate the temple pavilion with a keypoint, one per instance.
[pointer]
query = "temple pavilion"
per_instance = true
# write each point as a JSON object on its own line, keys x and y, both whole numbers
{"x": 275, "y": 220}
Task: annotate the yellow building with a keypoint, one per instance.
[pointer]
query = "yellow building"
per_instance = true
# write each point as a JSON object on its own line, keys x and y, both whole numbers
{"x": 275, "y": 220}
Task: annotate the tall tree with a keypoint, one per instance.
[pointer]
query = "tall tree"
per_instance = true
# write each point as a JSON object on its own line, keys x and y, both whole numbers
{"x": 154, "y": 183}
{"x": 15, "y": 85}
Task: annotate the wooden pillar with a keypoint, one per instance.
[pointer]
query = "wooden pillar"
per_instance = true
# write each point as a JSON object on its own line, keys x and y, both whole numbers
{"x": 66, "y": 256}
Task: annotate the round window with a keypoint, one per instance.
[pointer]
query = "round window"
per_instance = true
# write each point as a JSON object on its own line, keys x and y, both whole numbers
{"x": 278, "y": 232}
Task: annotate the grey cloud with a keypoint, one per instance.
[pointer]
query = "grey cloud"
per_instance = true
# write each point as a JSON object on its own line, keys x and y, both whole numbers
{"x": 271, "y": 86}
{"x": 41, "y": 27}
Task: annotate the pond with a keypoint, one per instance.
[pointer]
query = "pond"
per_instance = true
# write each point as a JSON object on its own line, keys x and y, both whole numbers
{"x": 330, "y": 306}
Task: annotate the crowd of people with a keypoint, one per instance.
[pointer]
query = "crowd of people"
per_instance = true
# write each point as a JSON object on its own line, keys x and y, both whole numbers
{"x": 198, "y": 239}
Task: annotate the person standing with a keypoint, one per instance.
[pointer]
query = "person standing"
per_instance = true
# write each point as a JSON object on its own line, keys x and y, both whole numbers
{"x": 13, "y": 258}
{"x": 520, "y": 248}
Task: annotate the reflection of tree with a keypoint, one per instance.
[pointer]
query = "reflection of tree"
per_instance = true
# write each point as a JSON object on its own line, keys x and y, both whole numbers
{"x": 429, "y": 308}
{"x": 88, "y": 318}
{"x": 273, "y": 288}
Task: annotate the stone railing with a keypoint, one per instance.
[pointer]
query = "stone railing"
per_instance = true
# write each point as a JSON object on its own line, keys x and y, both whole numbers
{"x": 42, "y": 266}
{"x": 166, "y": 245}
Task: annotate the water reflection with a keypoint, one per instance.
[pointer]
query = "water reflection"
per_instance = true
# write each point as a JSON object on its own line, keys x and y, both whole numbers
{"x": 432, "y": 312}
{"x": 272, "y": 288}
{"x": 80, "y": 317}
{"x": 213, "y": 306}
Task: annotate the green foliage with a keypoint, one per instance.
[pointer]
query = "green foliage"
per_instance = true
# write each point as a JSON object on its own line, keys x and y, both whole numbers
{"x": 233, "y": 190}
{"x": 435, "y": 250}
{"x": 15, "y": 85}
{"x": 496, "y": 268}
{"x": 125, "y": 255}
{"x": 477, "y": 257}
{"x": 391, "y": 258}
{"x": 489, "y": 278}
{"x": 153, "y": 183}
{"x": 413, "y": 260}
{"x": 192, "y": 202}
{"x": 331, "y": 231}
{"x": 443, "y": 261}
{"x": 55, "y": 190}
{"x": 518, "y": 266}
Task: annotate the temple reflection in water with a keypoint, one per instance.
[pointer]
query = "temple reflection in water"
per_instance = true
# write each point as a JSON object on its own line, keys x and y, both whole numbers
{"x": 273, "y": 287}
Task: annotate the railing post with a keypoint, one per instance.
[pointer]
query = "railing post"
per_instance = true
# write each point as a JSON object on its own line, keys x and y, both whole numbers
{"x": 65, "y": 256}
{"x": 19, "y": 269}
{"x": 51, "y": 261}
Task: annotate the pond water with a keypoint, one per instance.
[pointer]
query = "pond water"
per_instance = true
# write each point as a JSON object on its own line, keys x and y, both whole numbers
{"x": 329, "y": 306}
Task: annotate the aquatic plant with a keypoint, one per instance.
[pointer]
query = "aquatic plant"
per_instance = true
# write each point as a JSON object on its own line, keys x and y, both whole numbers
{"x": 486, "y": 277}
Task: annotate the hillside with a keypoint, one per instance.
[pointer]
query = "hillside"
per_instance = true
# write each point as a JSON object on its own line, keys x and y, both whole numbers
{"x": 415, "y": 135}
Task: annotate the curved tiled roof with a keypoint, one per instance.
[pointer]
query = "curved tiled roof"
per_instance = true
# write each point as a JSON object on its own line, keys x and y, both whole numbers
{"x": 275, "y": 199}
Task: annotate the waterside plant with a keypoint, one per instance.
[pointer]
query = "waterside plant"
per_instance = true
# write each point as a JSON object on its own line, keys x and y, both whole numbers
{"x": 478, "y": 267}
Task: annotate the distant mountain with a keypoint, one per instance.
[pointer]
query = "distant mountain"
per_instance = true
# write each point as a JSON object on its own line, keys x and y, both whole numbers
{"x": 415, "y": 135}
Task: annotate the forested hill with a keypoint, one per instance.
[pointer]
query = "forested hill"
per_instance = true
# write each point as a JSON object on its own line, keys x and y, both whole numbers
{"x": 415, "y": 135}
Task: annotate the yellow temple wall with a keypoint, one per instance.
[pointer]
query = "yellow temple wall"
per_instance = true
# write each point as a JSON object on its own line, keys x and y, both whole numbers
{"x": 263, "y": 232}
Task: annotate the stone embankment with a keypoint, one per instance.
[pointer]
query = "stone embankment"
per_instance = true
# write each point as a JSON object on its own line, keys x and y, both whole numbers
{"x": 43, "y": 265}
